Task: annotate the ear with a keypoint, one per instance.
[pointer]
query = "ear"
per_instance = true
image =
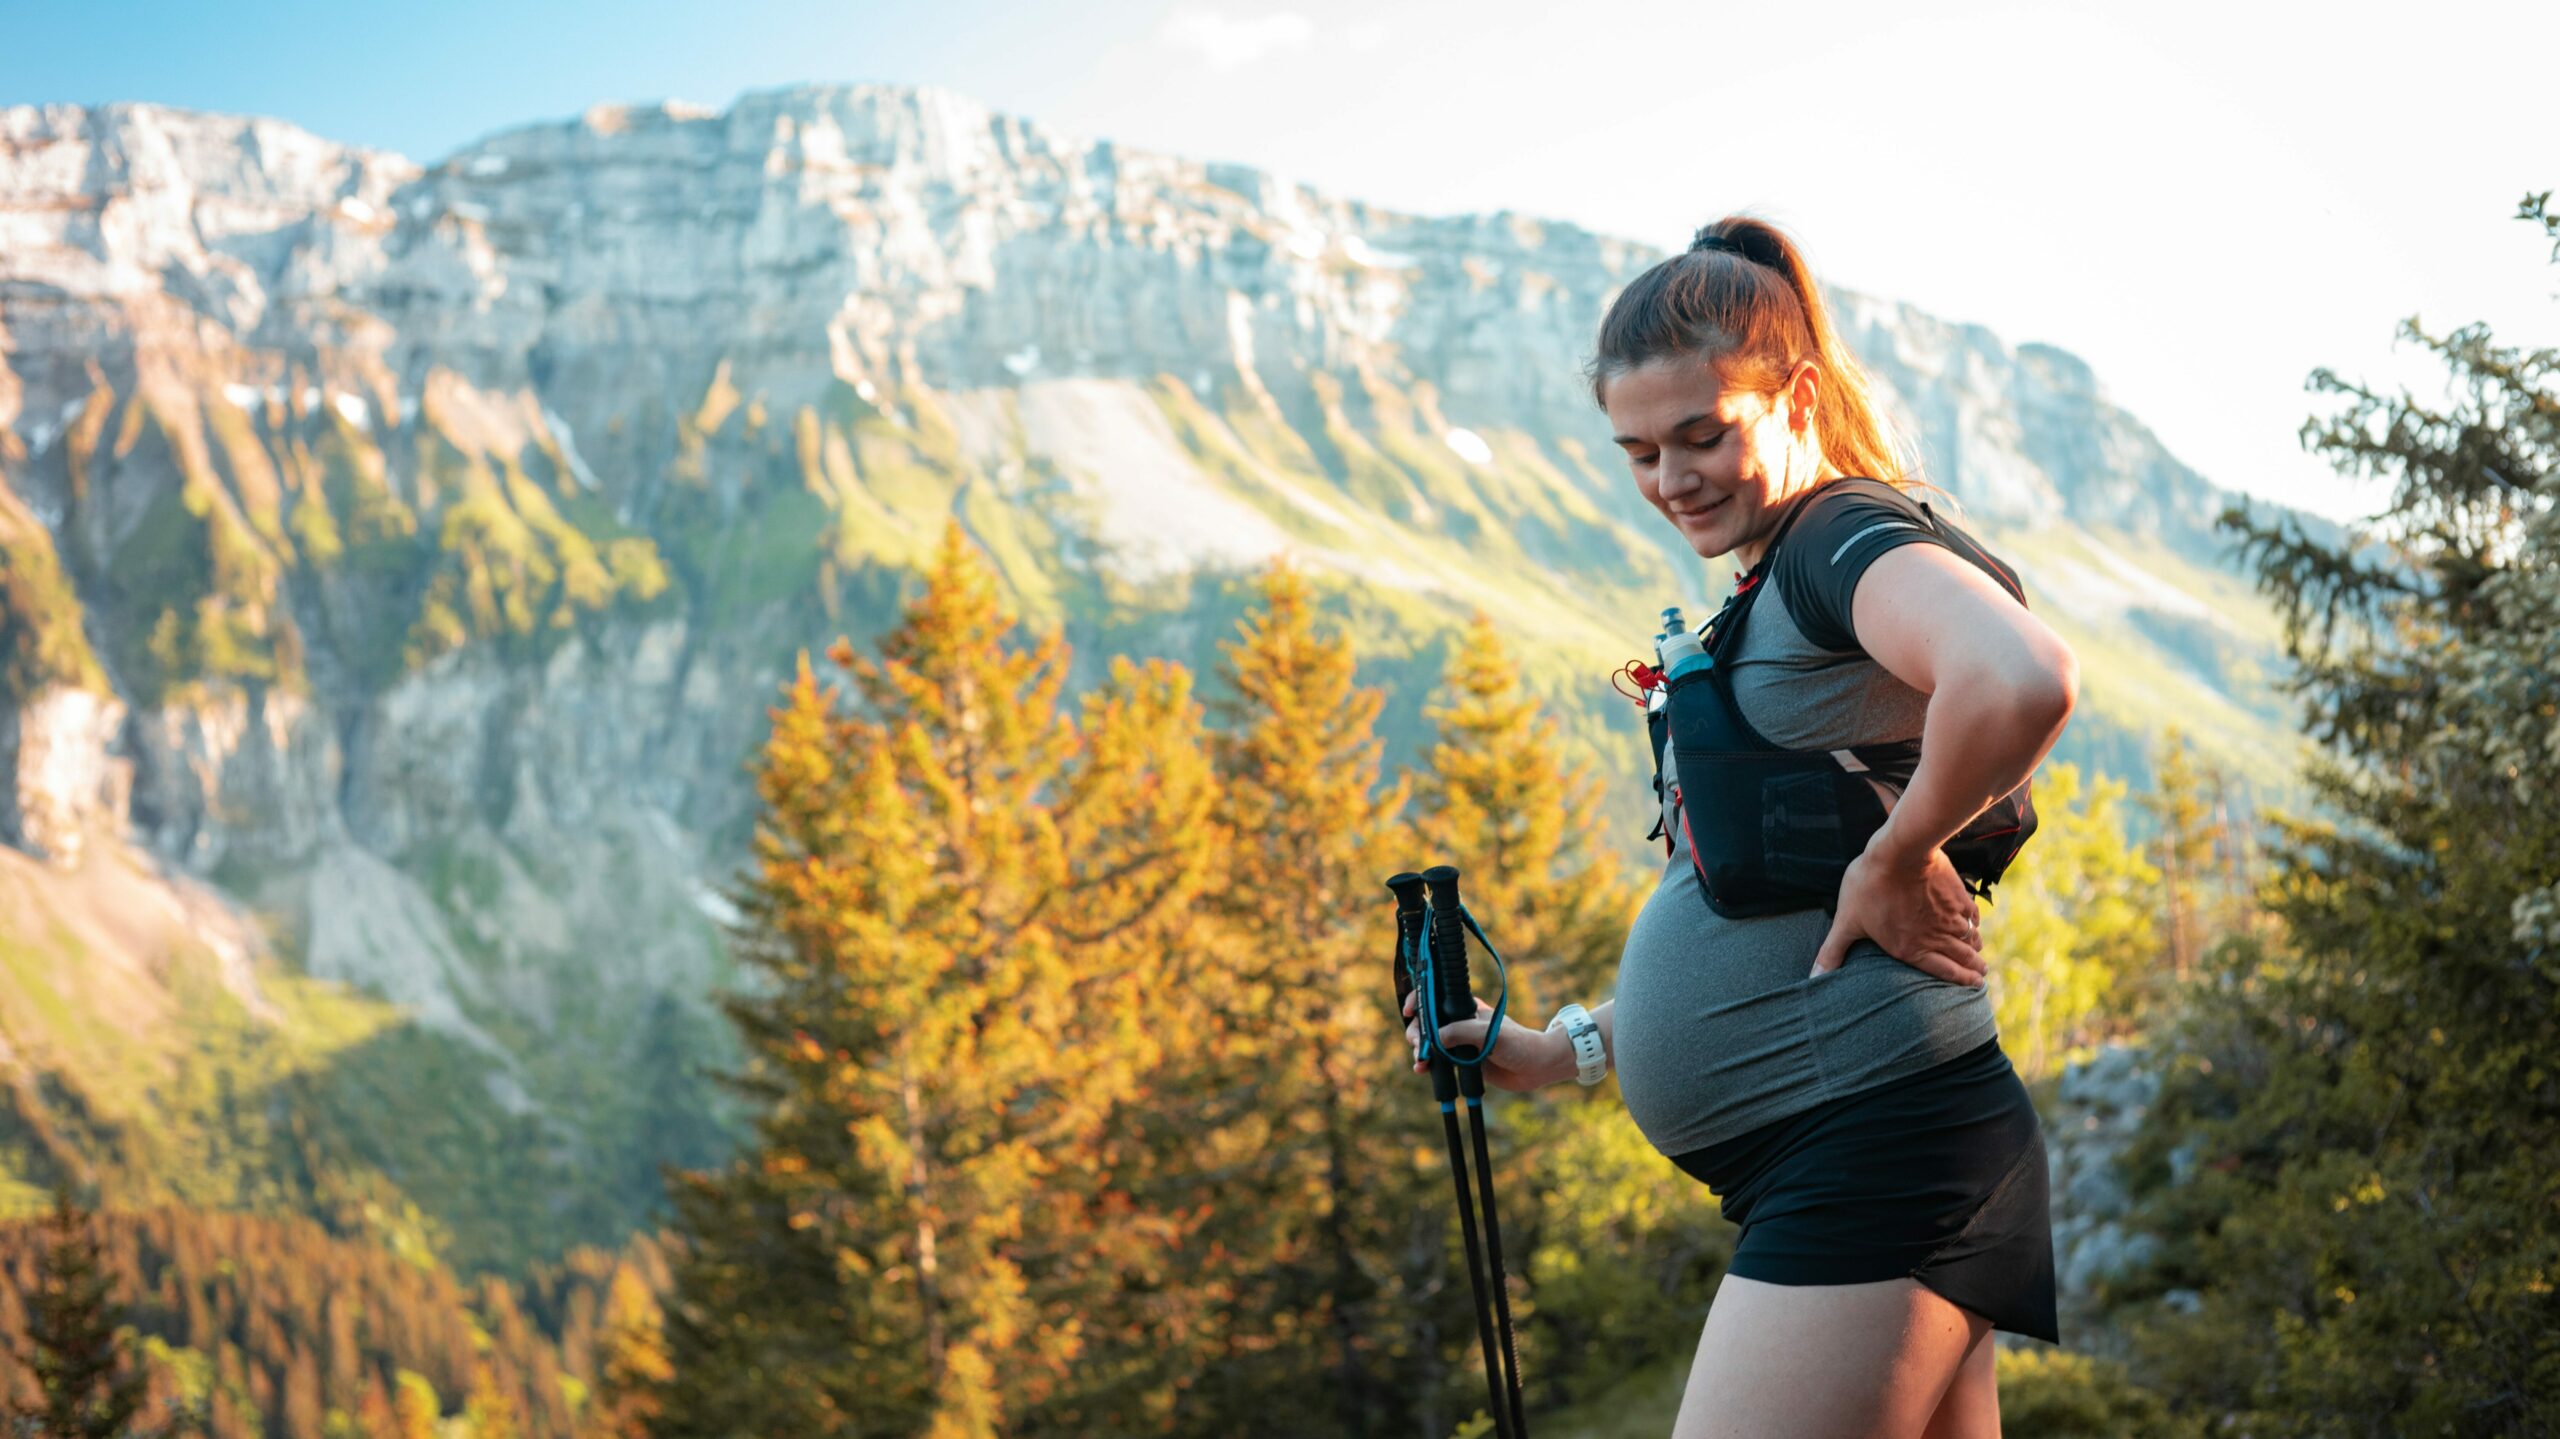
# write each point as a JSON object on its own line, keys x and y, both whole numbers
{"x": 1804, "y": 389}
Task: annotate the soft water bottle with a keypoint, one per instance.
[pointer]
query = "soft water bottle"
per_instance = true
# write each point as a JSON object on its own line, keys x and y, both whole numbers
{"x": 1660, "y": 695}
{"x": 1677, "y": 649}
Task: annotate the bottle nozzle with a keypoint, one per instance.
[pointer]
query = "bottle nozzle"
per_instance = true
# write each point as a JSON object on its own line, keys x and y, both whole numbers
{"x": 1676, "y": 648}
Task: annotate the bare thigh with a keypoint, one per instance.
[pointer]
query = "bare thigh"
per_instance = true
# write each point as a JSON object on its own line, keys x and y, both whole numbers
{"x": 1826, "y": 1361}
{"x": 1971, "y": 1408}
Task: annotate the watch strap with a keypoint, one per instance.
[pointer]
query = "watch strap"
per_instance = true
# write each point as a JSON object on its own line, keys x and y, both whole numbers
{"x": 1590, "y": 1055}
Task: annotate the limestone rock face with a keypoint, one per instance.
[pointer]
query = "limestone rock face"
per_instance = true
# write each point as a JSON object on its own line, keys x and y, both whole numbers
{"x": 67, "y": 783}
{"x": 433, "y": 537}
{"x": 887, "y": 236}
{"x": 132, "y": 223}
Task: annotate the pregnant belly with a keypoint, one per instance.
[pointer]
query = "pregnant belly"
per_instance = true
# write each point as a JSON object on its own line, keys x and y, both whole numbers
{"x": 1718, "y": 1025}
{"x": 1709, "y": 1010}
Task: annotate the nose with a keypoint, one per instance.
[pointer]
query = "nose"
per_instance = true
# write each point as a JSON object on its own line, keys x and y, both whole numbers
{"x": 1677, "y": 475}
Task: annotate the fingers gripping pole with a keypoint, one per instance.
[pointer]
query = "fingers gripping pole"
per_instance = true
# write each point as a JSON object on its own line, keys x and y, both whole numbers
{"x": 1440, "y": 972}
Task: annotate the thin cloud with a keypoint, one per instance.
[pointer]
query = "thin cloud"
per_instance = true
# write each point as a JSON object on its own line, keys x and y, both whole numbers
{"x": 1229, "y": 42}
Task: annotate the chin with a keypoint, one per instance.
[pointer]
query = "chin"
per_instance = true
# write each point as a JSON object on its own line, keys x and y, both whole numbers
{"x": 1710, "y": 546}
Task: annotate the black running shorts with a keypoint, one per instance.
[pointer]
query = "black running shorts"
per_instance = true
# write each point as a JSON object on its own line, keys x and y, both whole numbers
{"x": 1938, "y": 1176}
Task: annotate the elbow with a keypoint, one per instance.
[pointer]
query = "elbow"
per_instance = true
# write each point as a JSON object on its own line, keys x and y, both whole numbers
{"x": 2038, "y": 684}
{"x": 2026, "y": 680}
{"x": 2049, "y": 687}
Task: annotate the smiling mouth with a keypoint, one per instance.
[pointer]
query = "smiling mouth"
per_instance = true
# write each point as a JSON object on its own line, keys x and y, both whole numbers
{"x": 1700, "y": 510}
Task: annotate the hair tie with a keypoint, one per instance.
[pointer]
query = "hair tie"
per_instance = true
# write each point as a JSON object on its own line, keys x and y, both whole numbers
{"x": 1708, "y": 239}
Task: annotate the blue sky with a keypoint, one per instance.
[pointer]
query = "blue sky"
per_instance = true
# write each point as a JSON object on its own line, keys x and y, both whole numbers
{"x": 2204, "y": 198}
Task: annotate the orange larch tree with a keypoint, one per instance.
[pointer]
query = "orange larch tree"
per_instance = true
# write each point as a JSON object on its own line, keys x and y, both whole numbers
{"x": 1496, "y": 797}
{"x": 1298, "y": 1039}
{"x": 957, "y": 888}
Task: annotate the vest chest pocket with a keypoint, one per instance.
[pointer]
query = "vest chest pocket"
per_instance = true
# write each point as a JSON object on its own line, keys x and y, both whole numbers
{"x": 1771, "y": 832}
{"x": 1812, "y": 822}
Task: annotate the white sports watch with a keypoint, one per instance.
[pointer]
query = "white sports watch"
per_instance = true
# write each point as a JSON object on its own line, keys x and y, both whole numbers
{"x": 1590, "y": 1056}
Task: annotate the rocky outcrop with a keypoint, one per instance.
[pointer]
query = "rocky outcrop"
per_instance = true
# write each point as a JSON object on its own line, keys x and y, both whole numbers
{"x": 2099, "y": 1105}
{"x": 67, "y": 784}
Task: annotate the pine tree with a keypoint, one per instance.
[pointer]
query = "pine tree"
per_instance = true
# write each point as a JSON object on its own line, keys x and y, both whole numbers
{"x": 2189, "y": 833}
{"x": 2366, "y": 1119}
{"x": 1496, "y": 797}
{"x": 1299, "y": 1023}
{"x": 232, "y": 1420}
{"x": 345, "y": 1386}
{"x": 953, "y": 888}
{"x": 2235, "y": 827}
{"x": 2072, "y": 934}
{"x": 489, "y": 1412}
{"x": 634, "y": 1361}
{"x": 415, "y": 1408}
{"x": 1140, "y": 817}
{"x": 90, "y": 1386}
{"x": 375, "y": 1416}
{"x": 302, "y": 1411}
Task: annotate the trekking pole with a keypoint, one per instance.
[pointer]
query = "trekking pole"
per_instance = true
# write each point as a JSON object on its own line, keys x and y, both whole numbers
{"x": 1449, "y": 926}
{"x": 1412, "y": 961}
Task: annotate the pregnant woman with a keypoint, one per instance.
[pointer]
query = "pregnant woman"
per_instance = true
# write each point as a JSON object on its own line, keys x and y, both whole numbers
{"x": 1831, "y": 1070}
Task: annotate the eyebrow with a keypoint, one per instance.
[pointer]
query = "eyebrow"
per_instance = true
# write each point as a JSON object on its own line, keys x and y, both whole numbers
{"x": 1699, "y": 418}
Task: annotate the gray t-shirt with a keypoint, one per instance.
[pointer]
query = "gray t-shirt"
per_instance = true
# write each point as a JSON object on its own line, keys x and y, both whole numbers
{"x": 1718, "y": 1030}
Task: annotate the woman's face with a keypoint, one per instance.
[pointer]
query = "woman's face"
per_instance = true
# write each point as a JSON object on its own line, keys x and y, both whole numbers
{"x": 1717, "y": 462}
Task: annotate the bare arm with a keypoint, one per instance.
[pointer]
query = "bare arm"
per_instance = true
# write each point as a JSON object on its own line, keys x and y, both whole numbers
{"x": 1557, "y": 1067}
{"x": 1522, "y": 1058}
{"x": 1554, "y": 1054}
{"x": 2001, "y": 685}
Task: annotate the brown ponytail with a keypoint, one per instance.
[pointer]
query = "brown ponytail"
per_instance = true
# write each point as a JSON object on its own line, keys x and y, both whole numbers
{"x": 1744, "y": 300}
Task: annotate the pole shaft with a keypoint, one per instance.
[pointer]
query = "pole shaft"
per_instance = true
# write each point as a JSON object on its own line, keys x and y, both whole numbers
{"x": 1493, "y": 1386}
{"x": 1501, "y": 1282}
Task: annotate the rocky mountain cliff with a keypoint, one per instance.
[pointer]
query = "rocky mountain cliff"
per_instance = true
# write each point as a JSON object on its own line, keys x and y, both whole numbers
{"x": 399, "y": 560}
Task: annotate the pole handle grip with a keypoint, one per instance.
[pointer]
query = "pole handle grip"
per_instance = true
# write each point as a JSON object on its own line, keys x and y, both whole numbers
{"x": 1455, "y": 998}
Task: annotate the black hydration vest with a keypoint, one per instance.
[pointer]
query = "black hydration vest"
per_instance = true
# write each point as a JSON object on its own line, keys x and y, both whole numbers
{"x": 1771, "y": 830}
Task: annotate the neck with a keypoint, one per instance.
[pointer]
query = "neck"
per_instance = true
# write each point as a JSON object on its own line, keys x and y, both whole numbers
{"x": 1751, "y": 551}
